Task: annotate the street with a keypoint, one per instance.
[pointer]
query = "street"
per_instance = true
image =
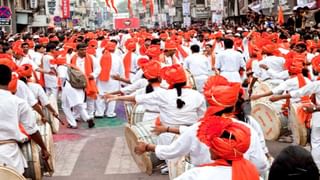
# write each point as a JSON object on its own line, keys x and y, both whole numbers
{"x": 102, "y": 153}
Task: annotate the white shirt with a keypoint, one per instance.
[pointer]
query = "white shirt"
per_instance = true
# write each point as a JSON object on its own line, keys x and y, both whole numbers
{"x": 197, "y": 64}
{"x": 230, "y": 60}
{"x": 193, "y": 109}
{"x": 207, "y": 173}
{"x": 273, "y": 62}
{"x": 12, "y": 111}
{"x": 25, "y": 93}
{"x": 289, "y": 85}
{"x": 51, "y": 81}
{"x": 131, "y": 88}
{"x": 39, "y": 93}
{"x": 37, "y": 57}
{"x": 80, "y": 63}
{"x": 26, "y": 60}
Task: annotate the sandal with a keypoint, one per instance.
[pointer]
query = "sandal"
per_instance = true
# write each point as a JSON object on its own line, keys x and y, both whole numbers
{"x": 72, "y": 127}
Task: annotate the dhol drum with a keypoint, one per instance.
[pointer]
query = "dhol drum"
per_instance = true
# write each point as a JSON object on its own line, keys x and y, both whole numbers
{"x": 128, "y": 106}
{"x": 263, "y": 87}
{"x": 269, "y": 115}
{"x": 7, "y": 173}
{"x": 178, "y": 166}
{"x": 190, "y": 80}
{"x": 46, "y": 133}
{"x": 137, "y": 114}
{"x": 141, "y": 132}
{"x": 54, "y": 122}
{"x": 31, "y": 153}
{"x": 298, "y": 129}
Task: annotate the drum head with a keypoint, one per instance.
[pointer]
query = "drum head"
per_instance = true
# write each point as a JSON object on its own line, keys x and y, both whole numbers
{"x": 190, "y": 80}
{"x": 267, "y": 117}
{"x": 7, "y": 173}
{"x": 48, "y": 166}
{"x": 299, "y": 130}
{"x": 143, "y": 161}
{"x": 137, "y": 114}
{"x": 128, "y": 109}
{"x": 54, "y": 122}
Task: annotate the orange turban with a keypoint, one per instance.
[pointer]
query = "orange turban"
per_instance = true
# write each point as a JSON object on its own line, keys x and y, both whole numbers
{"x": 25, "y": 70}
{"x": 151, "y": 69}
{"x": 18, "y": 51}
{"x": 219, "y": 34}
{"x": 142, "y": 62}
{"x": 93, "y": 43}
{"x": 220, "y": 94}
{"x": 163, "y": 36}
{"x": 130, "y": 45}
{"x": 9, "y": 63}
{"x": 270, "y": 49}
{"x": 54, "y": 39}
{"x": 43, "y": 40}
{"x": 91, "y": 50}
{"x": 173, "y": 74}
{"x": 170, "y": 45}
{"x": 153, "y": 51}
{"x": 295, "y": 38}
{"x": 293, "y": 66}
{"x": 316, "y": 63}
{"x": 228, "y": 140}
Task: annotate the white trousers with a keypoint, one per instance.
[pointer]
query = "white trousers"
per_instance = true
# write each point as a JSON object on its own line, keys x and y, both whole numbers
{"x": 52, "y": 90}
{"x": 78, "y": 109}
{"x": 315, "y": 138}
{"x": 104, "y": 108}
{"x": 200, "y": 81}
{"x": 90, "y": 106}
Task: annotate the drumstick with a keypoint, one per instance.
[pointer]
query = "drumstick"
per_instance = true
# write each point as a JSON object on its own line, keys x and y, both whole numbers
{"x": 61, "y": 122}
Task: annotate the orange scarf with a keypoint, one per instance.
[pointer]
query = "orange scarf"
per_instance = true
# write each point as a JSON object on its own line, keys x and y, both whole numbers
{"x": 91, "y": 89}
{"x": 127, "y": 64}
{"x": 303, "y": 117}
{"x": 106, "y": 63}
{"x": 183, "y": 53}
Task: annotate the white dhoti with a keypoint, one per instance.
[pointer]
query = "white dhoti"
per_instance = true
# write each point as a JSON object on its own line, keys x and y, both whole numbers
{"x": 102, "y": 107}
{"x": 11, "y": 156}
{"x": 200, "y": 81}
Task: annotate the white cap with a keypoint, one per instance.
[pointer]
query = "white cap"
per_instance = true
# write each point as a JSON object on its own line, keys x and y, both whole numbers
{"x": 239, "y": 29}
{"x": 229, "y": 31}
{"x": 237, "y": 34}
{"x": 10, "y": 39}
{"x": 36, "y": 37}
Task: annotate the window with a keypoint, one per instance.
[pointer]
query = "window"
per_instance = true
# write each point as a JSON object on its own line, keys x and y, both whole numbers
{"x": 200, "y": 1}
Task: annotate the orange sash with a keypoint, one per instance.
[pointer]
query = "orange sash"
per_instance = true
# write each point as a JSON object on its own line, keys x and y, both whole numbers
{"x": 127, "y": 64}
{"x": 106, "y": 63}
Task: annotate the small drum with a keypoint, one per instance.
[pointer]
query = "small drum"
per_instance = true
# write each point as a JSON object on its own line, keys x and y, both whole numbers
{"x": 54, "y": 122}
{"x": 298, "y": 129}
{"x": 137, "y": 114}
{"x": 48, "y": 166}
{"x": 128, "y": 106}
{"x": 141, "y": 132}
{"x": 190, "y": 80}
{"x": 178, "y": 166}
{"x": 273, "y": 122}
{"x": 31, "y": 153}
{"x": 7, "y": 173}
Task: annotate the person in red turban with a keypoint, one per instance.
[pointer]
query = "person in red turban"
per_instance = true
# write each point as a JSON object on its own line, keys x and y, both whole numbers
{"x": 153, "y": 52}
{"x": 129, "y": 58}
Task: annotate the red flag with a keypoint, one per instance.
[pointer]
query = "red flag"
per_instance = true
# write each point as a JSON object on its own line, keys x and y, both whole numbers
{"x": 144, "y": 3}
{"x": 107, "y": 2}
{"x": 114, "y": 8}
{"x": 65, "y": 9}
{"x": 129, "y": 8}
{"x": 280, "y": 16}
{"x": 151, "y": 7}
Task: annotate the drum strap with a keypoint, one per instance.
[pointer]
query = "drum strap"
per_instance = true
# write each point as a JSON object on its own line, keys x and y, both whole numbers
{"x": 2, "y": 142}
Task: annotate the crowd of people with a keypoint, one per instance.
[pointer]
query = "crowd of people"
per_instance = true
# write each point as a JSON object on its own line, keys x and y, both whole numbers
{"x": 192, "y": 82}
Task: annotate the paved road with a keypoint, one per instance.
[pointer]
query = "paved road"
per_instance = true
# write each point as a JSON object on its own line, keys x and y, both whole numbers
{"x": 102, "y": 154}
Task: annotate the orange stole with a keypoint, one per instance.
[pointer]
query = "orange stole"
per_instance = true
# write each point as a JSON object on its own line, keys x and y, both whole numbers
{"x": 91, "y": 89}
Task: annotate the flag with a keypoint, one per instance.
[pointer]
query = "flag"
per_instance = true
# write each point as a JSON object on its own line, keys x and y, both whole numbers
{"x": 144, "y": 3}
{"x": 129, "y": 8}
{"x": 151, "y": 7}
{"x": 280, "y": 16}
{"x": 114, "y": 8}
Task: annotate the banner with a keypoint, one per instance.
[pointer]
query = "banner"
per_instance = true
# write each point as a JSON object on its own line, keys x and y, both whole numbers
{"x": 65, "y": 9}
{"x": 34, "y": 4}
{"x": 127, "y": 23}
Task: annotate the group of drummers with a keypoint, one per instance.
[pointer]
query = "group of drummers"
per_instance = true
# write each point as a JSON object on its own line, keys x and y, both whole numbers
{"x": 199, "y": 103}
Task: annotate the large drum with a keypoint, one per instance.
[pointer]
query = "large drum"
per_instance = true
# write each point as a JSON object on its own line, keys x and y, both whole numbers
{"x": 128, "y": 106}
{"x": 299, "y": 130}
{"x": 38, "y": 118}
{"x": 269, "y": 115}
{"x": 141, "y": 132}
{"x": 137, "y": 114}
{"x": 48, "y": 166}
{"x": 7, "y": 173}
{"x": 54, "y": 122}
{"x": 178, "y": 166}
{"x": 263, "y": 87}
{"x": 31, "y": 153}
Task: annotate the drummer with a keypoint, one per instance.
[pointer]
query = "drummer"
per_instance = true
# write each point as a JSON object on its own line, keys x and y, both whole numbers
{"x": 222, "y": 97}
{"x": 13, "y": 111}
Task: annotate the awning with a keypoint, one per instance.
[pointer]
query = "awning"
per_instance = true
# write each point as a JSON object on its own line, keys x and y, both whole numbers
{"x": 311, "y": 5}
{"x": 255, "y": 6}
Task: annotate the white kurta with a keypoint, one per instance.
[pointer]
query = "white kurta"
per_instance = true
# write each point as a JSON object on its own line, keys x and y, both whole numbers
{"x": 312, "y": 88}
{"x": 200, "y": 68}
{"x": 131, "y": 88}
{"x": 12, "y": 111}
{"x": 229, "y": 63}
{"x": 51, "y": 81}
{"x": 39, "y": 93}
{"x": 25, "y": 93}
{"x": 207, "y": 173}
{"x": 273, "y": 62}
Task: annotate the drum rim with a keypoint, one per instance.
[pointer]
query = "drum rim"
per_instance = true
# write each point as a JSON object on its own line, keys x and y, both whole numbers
{"x": 277, "y": 121}
{"x": 147, "y": 164}
{"x": 12, "y": 171}
{"x": 54, "y": 122}
{"x": 132, "y": 122}
{"x": 48, "y": 140}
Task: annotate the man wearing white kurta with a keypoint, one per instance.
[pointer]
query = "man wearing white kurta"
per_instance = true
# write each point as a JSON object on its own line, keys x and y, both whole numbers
{"x": 199, "y": 66}
{"x": 13, "y": 111}
{"x": 50, "y": 81}
{"x": 229, "y": 62}
{"x": 109, "y": 86}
